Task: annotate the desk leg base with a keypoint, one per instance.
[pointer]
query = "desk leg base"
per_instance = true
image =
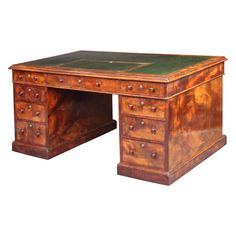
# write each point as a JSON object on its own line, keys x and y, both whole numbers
{"x": 49, "y": 152}
{"x": 165, "y": 177}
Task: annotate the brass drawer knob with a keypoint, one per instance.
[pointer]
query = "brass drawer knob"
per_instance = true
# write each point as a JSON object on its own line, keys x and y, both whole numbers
{"x": 153, "y": 130}
{"x": 30, "y": 125}
{"x": 152, "y": 90}
{"x": 141, "y": 86}
{"x": 153, "y": 109}
{"x": 79, "y": 81}
{"x": 37, "y": 95}
{"x": 61, "y": 80}
{"x": 36, "y": 78}
{"x": 29, "y": 90}
{"x": 142, "y": 122}
{"x": 131, "y": 152}
{"x": 142, "y": 103}
{"x": 37, "y": 113}
{"x": 29, "y": 106}
{"x": 22, "y": 110}
{"x": 153, "y": 154}
{"x": 131, "y": 107}
{"x": 37, "y": 133}
{"x": 142, "y": 145}
{"x": 129, "y": 87}
{"x": 131, "y": 127}
{"x": 21, "y": 93}
{"x": 20, "y": 77}
{"x": 22, "y": 131}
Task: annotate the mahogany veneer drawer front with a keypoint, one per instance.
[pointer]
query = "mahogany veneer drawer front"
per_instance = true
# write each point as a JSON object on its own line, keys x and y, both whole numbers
{"x": 143, "y": 153}
{"x": 142, "y": 88}
{"x": 30, "y": 111}
{"x": 29, "y": 77}
{"x": 29, "y": 93}
{"x": 83, "y": 83}
{"x": 143, "y": 128}
{"x": 30, "y": 132}
{"x": 143, "y": 107}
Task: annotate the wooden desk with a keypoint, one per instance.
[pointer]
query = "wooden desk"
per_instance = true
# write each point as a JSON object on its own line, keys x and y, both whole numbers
{"x": 170, "y": 108}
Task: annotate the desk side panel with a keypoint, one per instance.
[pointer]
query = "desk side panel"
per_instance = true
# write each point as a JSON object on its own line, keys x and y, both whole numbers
{"x": 195, "y": 122}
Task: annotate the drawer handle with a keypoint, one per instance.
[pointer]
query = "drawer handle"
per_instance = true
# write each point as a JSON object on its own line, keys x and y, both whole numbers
{"x": 30, "y": 125}
{"x": 142, "y": 122}
{"x": 79, "y": 81}
{"x": 153, "y": 109}
{"x": 154, "y": 130}
{"x": 129, "y": 87}
{"x": 152, "y": 90}
{"x": 131, "y": 127}
{"x": 131, "y": 107}
{"x": 21, "y": 93}
{"x": 141, "y": 86}
{"x": 153, "y": 154}
{"x": 37, "y": 113}
{"x": 29, "y": 106}
{"x": 61, "y": 80}
{"x": 22, "y": 110}
{"x": 20, "y": 77}
{"x": 37, "y": 95}
{"x": 22, "y": 131}
{"x": 36, "y": 78}
{"x": 29, "y": 90}
{"x": 142, "y": 145}
{"x": 98, "y": 84}
{"x": 37, "y": 133}
{"x": 131, "y": 152}
{"x": 142, "y": 103}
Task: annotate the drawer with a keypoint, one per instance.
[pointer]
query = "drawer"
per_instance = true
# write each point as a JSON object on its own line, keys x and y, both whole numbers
{"x": 29, "y": 111}
{"x": 83, "y": 83}
{"x": 143, "y": 107}
{"x": 143, "y": 153}
{"x": 30, "y": 132}
{"x": 28, "y": 77}
{"x": 29, "y": 93}
{"x": 95, "y": 84}
{"x": 142, "y": 88}
{"x": 143, "y": 128}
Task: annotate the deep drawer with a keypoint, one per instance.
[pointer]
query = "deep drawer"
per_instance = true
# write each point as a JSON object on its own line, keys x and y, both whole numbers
{"x": 30, "y": 132}
{"x": 143, "y": 153}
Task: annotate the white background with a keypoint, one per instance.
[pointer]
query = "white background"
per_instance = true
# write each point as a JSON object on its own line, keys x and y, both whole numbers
{"x": 79, "y": 192}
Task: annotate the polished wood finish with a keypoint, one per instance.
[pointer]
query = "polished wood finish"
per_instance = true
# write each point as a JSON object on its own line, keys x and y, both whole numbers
{"x": 169, "y": 122}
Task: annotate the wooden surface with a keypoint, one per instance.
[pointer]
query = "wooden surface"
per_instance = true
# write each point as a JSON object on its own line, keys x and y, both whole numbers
{"x": 170, "y": 108}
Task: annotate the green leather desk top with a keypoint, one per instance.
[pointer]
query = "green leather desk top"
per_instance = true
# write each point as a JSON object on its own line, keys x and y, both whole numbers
{"x": 117, "y": 62}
